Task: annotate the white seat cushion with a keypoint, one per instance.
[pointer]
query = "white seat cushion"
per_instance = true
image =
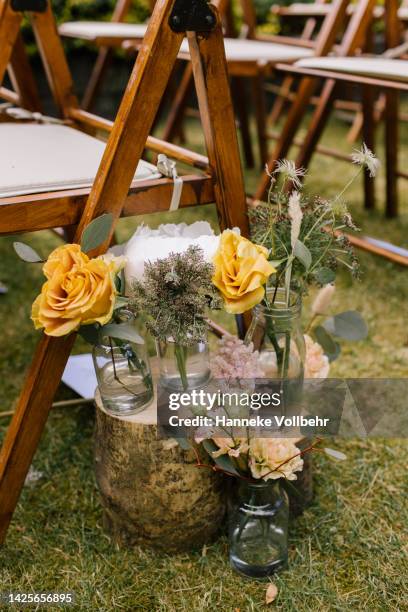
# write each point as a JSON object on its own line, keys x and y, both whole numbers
{"x": 392, "y": 69}
{"x": 91, "y": 30}
{"x": 35, "y": 158}
{"x": 242, "y": 50}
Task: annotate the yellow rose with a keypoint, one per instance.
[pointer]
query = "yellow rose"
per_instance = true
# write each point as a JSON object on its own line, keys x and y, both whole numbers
{"x": 64, "y": 258}
{"x": 79, "y": 291}
{"x": 241, "y": 270}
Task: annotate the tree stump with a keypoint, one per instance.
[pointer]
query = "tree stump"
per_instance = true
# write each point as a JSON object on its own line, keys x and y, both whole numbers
{"x": 152, "y": 493}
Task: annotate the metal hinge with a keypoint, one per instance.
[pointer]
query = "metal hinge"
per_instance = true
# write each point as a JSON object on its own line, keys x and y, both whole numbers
{"x": 33, "y": 6}
{"x": 193, "y": 16}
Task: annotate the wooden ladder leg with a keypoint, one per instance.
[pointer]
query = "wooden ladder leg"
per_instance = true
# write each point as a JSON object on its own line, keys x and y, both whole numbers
{"x": 10, "y": 23}
{"x": 22, "y": 77}
{"x": 318, "y": 123}
{"x": 177, "y": 110}
{"x": 99, "y": 70}
{"x": 368, "y": 101}
{"x": 391, "y": 152}
{"x": 261, "y": 117}
{"x": 281, "y": 98}
{"x": 123, "y": 151}
{"x": 292, "y": 123}
{"x": 240, "y": 104}
{"x": 217, "y": 116}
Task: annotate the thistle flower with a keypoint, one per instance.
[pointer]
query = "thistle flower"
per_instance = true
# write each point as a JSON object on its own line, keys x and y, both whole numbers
{"x": 175, "y": 294}
{"x": 289, "y": 172}
{"x": 296, "y": 216}
{"x": 323, "y": 299}
{"x": 366, "y": 158}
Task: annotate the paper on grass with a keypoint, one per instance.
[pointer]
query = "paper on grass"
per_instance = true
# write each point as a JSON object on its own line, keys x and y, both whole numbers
{"x": 79, "y": 375}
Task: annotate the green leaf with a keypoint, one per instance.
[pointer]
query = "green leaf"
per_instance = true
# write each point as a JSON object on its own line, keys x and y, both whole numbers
{"x": 96, "y": 232}
{"x": 276, "y": 262}
{"x": 303, "y": 254}
{"x": 90, "y": 333}
{"x": 349, "y": 325}
{"x": 327, "y": 342}
{"x": 223, "y": 461}
{"x": 26, "y": 253}
{"x": 184, "y": 443}
{"x": 123, "y": 331}
{"x": 325, "y": 276}
{"x": 121, "y": 302}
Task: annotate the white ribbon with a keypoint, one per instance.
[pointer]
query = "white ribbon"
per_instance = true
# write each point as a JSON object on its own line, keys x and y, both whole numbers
{"x": 167, "y": 167}
{"x": 21, "y": 114}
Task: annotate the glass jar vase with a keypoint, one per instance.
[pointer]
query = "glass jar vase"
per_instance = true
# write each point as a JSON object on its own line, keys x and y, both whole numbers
{"x": 183, "y": 367}
{"x": 258, "y": 514}
{"x": 123, "y": 372}
{"x": 276, "y": 333}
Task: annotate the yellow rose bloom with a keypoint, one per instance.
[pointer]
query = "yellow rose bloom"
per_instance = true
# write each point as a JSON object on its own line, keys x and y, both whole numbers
{"x": 241, "y": 271}
{"x": 79, "y": 291}
{"x": 63, "y": 258}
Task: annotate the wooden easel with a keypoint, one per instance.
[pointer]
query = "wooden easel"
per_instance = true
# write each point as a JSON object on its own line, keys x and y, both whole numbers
{"x": 170, "y": 21}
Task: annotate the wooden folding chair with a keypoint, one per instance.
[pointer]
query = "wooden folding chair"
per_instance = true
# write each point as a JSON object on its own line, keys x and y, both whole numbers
{"x": 377, "y": 71}
{"x": 113, "y": 189}
{"x": 353, "y": 40}
{"x": 107, "y": 35}
{"x": 256, "y": 57}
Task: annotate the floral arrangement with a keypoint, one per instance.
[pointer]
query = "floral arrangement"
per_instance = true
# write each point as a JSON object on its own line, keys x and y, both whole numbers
{"x": 86, "y": 295}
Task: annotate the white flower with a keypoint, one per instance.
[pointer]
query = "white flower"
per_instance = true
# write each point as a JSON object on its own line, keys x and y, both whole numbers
{"x": 227, "y": 446}
{"x": 296, "y": 216}
{"x": 289, "y": 172}
{"x": 323, "y": 299}
{"x": 317, "y": 364}
{"x": 366, "y": 158}
{"x": 268, "y": 454}
{"x": 150, "y": 245}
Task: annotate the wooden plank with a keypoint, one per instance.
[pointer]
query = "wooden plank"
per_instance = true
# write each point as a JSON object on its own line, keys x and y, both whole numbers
{"x": 22, "y": 78}
{"x": 10, "y": 23}
{"x": 217, "y": 115}
{"x": 54, "y": 60}
{"x": 64, "y": 208}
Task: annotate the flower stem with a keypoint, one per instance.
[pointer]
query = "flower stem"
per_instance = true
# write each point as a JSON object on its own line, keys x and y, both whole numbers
{"x": 180, "y": 352}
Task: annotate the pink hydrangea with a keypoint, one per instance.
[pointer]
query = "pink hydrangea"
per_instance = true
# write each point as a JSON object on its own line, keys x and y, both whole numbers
{"x": 234, "y": 359}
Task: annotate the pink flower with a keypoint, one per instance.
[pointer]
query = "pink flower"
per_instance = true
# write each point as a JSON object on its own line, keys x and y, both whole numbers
{"x": 268, "y": 454}
{"x": 234, "y": 359}
{"x": 317, "y": 363}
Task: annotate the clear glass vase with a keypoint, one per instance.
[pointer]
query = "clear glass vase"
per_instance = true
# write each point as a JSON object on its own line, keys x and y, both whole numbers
{"x": 124, "y": 376}
{"x": 258, "y": 516}
{"x": 277, "y": 334}
{"x": 183, "y": 368}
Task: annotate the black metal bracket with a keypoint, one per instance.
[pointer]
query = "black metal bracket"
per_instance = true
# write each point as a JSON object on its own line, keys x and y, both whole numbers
{"x": 193, "y": 16}
{"x": 33, "y": 6}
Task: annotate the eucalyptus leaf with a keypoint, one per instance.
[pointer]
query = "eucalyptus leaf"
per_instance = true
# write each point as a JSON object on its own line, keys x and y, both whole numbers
{"x": 223, "y": 461}
{"x": 349, "y": 325}
{"x": 325, "y": 276}
{"x": 90, "y": 333}
{"x": 26, "y": 253}
{"x": 327, "y": 342}
{"x": 303, "y": 254}
{"x": 122, "y": 331}
{"x": 184, "y": 443}
{"x": 96, "y": 232}
{"x": 276, "y": 262}
{"x": 121, "y": 302}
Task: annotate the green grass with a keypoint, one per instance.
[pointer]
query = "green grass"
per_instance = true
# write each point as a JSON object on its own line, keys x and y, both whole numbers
{"x": 347, "y": 550}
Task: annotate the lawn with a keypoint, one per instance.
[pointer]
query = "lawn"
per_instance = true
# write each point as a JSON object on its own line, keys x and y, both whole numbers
{"x": 348, "y": 550}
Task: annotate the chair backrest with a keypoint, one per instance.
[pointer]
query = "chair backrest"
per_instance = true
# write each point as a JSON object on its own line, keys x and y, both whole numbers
{"x": 324, "y": 39}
